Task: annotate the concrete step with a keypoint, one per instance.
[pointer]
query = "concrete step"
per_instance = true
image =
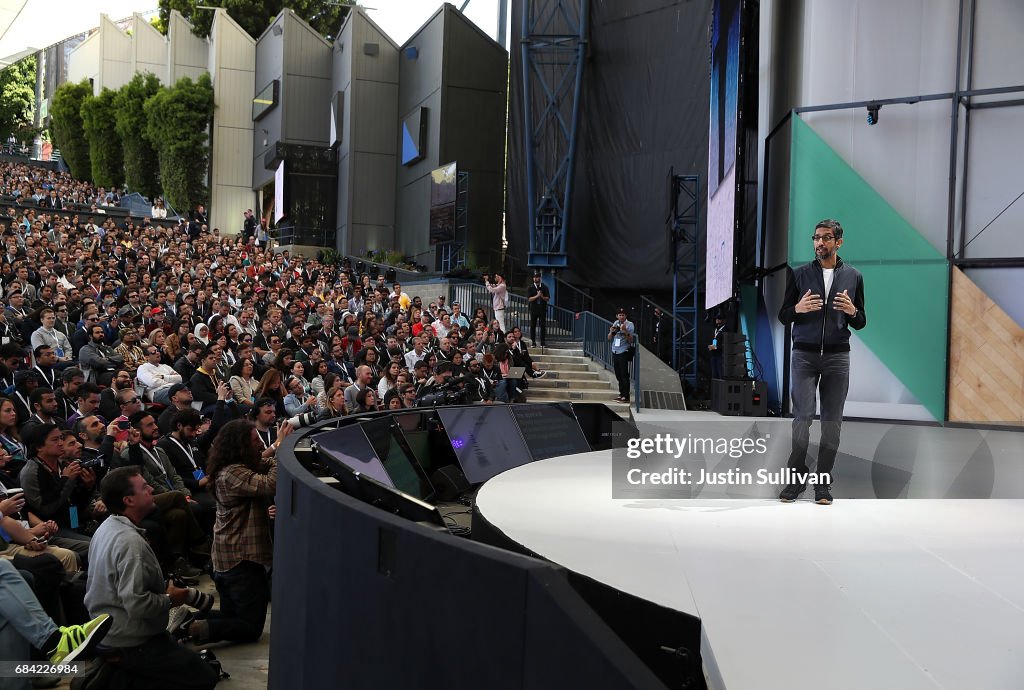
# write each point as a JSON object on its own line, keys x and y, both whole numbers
{"x": 540, "y": 394}
{"x": 560, "y": 359}
{"x": 563, "y": 367}
{"x": 589, "y": 384}
{"x": 574, "y": 351}
{"x": 576, "y": 375}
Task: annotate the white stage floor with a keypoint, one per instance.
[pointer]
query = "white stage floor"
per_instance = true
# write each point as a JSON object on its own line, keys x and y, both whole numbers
{"x": 861, "y": 594}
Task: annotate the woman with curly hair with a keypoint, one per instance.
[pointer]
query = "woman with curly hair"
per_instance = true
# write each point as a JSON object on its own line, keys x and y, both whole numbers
{"x": 243, "y": 484}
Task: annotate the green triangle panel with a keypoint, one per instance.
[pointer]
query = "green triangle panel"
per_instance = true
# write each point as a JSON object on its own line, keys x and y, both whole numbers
{"x": 905, "y": 277}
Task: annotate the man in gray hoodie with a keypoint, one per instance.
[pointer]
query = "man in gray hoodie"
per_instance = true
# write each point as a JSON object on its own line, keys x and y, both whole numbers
{"x": 126, "y": 578}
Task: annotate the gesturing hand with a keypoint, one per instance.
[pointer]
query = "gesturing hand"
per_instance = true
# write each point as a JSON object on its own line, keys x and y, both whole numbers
{"x": 808, "y": 303}
{"x": 843, "y": 303}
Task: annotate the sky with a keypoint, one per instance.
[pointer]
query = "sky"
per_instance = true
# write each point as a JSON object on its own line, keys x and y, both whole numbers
{"x": 36, "y": 26}
{"x": 401, "y": 18}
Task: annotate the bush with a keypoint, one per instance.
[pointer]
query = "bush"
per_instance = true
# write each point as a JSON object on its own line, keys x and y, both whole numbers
{"x": 141, "y": 164}
{"x": 66, "y": 126}
{"x": 105, "y": 153}
{"x": 177, "y": 124}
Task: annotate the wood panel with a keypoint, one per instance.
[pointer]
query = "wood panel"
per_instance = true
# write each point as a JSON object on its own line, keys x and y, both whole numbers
{"x": 986, "y": 358}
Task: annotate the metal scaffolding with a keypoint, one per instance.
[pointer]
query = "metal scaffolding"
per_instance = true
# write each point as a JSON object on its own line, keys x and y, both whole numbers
{"x": 554, "y": 41}
{"x": 686, "y": 259}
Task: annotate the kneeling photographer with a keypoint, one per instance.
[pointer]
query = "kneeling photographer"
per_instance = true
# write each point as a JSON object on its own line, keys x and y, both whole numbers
{"x": 443, "y": 388}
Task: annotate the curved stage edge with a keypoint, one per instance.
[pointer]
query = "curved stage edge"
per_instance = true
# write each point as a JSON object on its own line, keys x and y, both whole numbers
{"x": 366, "y": 599}
{"x": 863, "y": 593}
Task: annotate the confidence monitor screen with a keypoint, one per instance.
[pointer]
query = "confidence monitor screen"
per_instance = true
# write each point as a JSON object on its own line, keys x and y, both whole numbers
{"x": 550, "y": 430}
{"x": 350, "y": 447}
{"x": 485, "y": 439}
{"x": 405, "y": 473}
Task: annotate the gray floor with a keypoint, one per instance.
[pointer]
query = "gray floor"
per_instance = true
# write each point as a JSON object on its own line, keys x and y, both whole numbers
{"x": 248, "y": 664}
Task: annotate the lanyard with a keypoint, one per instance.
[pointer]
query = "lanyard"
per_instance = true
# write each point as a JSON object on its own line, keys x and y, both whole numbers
{"x": 266, "y": 442}
{"x": 159, "y": 465}
{"x": 187, "y": 450}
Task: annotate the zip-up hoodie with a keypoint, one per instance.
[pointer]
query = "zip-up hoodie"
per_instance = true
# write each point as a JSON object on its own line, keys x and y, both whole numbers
{"x": 827, "y": 330}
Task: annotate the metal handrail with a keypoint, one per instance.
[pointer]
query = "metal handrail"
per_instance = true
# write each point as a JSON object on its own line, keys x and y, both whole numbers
{"x": 683, "y": 349}
{"x": 560, "y": 322}
{"x": 581, "y": 300}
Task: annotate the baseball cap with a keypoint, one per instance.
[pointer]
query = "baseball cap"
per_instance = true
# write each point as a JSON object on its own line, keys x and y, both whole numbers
{"x": 175, "y": 389}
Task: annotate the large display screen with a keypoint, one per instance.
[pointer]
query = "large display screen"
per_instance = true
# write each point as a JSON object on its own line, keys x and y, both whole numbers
{"x": 722, "y": 151}
{"x": 443, "y": 191}
{"x": 550, "y": 430}
{"x": 350, "y": 447}
{"x": 486, "y": 440}
{"x": 279, "y": 210}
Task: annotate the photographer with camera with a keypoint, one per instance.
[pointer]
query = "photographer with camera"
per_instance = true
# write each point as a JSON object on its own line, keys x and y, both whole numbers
{"x": 56, "y": 492}
{"x": 622, "y": 336}
{"x": 442, "y": 388}
{"x": 127, "y": 583}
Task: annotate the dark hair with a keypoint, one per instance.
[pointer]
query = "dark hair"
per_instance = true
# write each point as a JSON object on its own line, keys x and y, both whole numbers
{"x": 87, "y": 389}
{"x": 186, "y": 417}
{"x": 8, "y": 350}
{"x": 263, "y": 402}
{"x": 233, "y": 446}
{"x": 36, "y": 397}
{"x": 362, "y": 395}
{"x": 35, "y": 435}
{"x": 833, "y": 225}
{"x": 116, "y": 486}
{"x": 36, "y": 352}
{"x": 136, "y": 419}
{"x": 70, "y": 373}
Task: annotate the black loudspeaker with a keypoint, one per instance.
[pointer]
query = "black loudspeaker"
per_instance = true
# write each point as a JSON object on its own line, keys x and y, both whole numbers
{"x": 727, "y": 397}
{"x": 390, "y": 276}
{"x": 734, "y": 355}
{"x": 755, "y": 399}
{"x": 374, "y": 271}
{"x": 360, "y": 268}
{"x": 449, "y": 483}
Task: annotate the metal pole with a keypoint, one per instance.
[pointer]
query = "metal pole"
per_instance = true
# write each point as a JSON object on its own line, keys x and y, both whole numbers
{"x": 581, "y": 50}
{"x": 502, "y": 36}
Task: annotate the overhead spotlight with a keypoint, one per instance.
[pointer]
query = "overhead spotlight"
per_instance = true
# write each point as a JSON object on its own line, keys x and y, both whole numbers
{"x": 873, "y": 114}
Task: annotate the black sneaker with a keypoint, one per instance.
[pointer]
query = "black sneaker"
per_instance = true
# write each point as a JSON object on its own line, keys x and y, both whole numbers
{"x": 821, "y": 495}
{"x": 792, "y": 492}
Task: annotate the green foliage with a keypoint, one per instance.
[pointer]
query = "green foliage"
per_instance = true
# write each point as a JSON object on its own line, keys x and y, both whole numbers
{"x": 66, "y": 126}
{"x": 17, "y": 96}
{"x": 255, "y": 15}
{"x": 177, "y": 124}
{"x": 105, "y": 157}
{"x": 330, "y": 257}
{"x": 141, "y": 164}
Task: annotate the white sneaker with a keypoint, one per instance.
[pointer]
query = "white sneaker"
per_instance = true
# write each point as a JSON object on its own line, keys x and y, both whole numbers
{"x": 539, "y": 374}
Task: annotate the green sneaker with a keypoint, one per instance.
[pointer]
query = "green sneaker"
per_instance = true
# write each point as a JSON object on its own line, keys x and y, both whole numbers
{"x": 76, "y": 640}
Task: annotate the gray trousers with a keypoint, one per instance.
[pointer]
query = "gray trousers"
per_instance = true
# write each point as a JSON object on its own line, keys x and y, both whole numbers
{"x": 829, "y": 376}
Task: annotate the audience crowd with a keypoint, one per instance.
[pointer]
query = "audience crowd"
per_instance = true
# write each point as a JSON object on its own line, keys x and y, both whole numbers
{"x": 148, "y": 375}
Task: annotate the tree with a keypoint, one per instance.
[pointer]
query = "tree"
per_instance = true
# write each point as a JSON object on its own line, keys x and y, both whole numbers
{"x": 66, "y": 126}
{"x": 177, "y": 123}
{"x": 255, "y": 15}
{"x": 105, "y": 149}
{"x": 141, "y": 163}
{"x": 17, "y": 96}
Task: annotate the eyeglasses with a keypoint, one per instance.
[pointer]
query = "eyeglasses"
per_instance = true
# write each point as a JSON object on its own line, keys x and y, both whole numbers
{"x": 822, "y": 238}
{"x": 129, "y": 402}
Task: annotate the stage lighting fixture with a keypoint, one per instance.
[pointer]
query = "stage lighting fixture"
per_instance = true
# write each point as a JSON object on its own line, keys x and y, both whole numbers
{"x": 360, "y": 267}
{"x": 873, "y": 114}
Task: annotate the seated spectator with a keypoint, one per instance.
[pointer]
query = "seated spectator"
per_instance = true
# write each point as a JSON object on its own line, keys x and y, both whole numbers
{"x": 157, "y": 378}
{"x": 55, "y": 492}
{"x": 48, "y": 335}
